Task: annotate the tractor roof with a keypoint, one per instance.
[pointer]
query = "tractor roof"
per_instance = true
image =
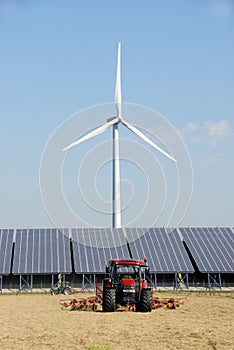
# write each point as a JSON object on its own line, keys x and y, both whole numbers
{"x": 127, "y": 262}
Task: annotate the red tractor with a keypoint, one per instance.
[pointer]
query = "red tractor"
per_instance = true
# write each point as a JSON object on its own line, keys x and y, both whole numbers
{"x": 128, "y": 284}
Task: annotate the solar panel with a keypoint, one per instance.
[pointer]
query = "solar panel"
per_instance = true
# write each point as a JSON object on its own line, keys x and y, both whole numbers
{"x": 42, "y": 251}
{"x": 78, "y": 250}
{"x": 42, "y": 262}
{"x": 35, "y": 243}
{"x": 164, "y": 254}
{"x": 29, "y": 256}
{"x": 45, "y": 251}
{"x": 165, "y": 251}
{"x": 48, "y": 251}
{"x": 211, "y": 248}
{"x": 93, "y": 247}
{"x": 6, "y": 243}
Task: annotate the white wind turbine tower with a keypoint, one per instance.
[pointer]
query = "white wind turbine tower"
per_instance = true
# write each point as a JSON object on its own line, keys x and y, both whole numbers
{"x": 116, "y": 215}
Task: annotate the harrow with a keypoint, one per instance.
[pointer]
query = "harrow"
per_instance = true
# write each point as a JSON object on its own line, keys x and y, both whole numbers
{"x": 82, "y": 304}
{"x": 93, "y": 303}
{"x": 169, "y": 303}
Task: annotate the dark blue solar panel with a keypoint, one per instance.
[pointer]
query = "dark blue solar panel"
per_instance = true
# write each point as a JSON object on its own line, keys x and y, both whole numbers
{"x": 139, "y": 247}
{"x": 30, "y": 252}
{"x": 152, "y": 255}
{"x": 76, "y": 254}
{"x": 35, "y": 248}
{"x": 82, "y": 258}
{"x": 131, "y": 239}
{"x": 164, "y": 244}
{"x": 65, "y": 257}
{"x": 3, "y": 246}
{"x": 75, "y": 247}
{"x": 207, "y": 249}
{"x": 165, "y": 251}
{"x": 6, "y": 243}
{"x": 23, "y": 249}
{"x": 225, "y": 242}
{"x": 93, "y": 247}
{"x": 54, "y": 257}
{"x": 104, "y": 238}
{"x": 180, "y": 253}
{"x": 95, "y": 264}
{"x": 119, "y": 252}
{"x": 113, "y": 237}
{"x": 41, "y": 268}
{"x": 102, "y": 257}
{"x": 39, "y": 251}
{"x": 160, "y": 265}
{"x": 211, "y": 248}
{"x": 173, "y": 263}
{"x": 107, "y": 253}
{"x": 119, "y": 249}
{"x": 60, "y": 252}
{"x": 16, "y": 252}
{"x": 67, "y": 261}
{"x": 48, "y": 250}
{"x": 97, "y": 260}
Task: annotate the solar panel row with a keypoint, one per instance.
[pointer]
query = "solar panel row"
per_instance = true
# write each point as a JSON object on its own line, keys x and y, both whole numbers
{"x": 211, "y": 248}
{"x": 6, "y": 243}
{"x": 42, "y": 251}
{"x": 45, "y": 251}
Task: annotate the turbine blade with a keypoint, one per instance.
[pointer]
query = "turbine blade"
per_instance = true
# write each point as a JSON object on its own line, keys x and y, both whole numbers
{"x": 93, "y": 133}
{"x": 118, "y": 93}
{"x": 146, "y": 139}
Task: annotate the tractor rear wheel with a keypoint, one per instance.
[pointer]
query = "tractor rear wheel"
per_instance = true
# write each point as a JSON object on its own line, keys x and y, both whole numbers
{"x": 146, "y": 301}
{"x": 108, "y": 300}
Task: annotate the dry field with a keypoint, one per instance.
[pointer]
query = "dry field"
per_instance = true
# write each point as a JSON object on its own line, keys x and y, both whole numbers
{"x": 33, "y": 321}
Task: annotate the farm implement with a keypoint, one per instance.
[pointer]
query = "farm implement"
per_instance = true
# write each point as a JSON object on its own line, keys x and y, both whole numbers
{"x": 83, "y": 304}
{"x": 127, "y": 286}
{"x": 93, "y": 303}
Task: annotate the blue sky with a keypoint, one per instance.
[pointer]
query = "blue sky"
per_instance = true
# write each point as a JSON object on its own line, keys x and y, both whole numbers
{"x": 59, "y": 57}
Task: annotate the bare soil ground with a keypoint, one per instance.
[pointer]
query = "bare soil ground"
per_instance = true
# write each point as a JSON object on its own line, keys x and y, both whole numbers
{"x": 30, "y": 321}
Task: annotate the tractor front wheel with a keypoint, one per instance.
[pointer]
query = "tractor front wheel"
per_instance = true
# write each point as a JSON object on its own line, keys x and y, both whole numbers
{"x": 108, "y": 300}
{"x": 146, "y": 301}
{"x": 54, "y": 292}
{"x": 67, "y": 291}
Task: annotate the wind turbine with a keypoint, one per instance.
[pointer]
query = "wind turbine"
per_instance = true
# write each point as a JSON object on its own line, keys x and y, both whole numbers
{"x": 115, "y": 121}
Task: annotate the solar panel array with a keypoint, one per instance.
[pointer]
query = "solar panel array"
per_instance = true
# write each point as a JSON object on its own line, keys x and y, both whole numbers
{"x": 42, "y": 251}
{"x": 165, "y": 251}
{"x": 211, "y": 248}
{"x": 92, "y": 248}
{"x": 47, "y": 251}
{"x": 6, "y": 243}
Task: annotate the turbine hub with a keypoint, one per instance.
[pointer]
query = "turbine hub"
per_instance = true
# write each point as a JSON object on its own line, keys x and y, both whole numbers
{"x": 118, "y": 119}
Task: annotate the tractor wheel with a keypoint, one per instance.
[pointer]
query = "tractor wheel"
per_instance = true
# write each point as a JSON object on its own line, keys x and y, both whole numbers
{"x": 108, "y": 300}
{"x": 146, "y": 301}
{"x": 67, "y": 291}
{"x": 54, "y": 292}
